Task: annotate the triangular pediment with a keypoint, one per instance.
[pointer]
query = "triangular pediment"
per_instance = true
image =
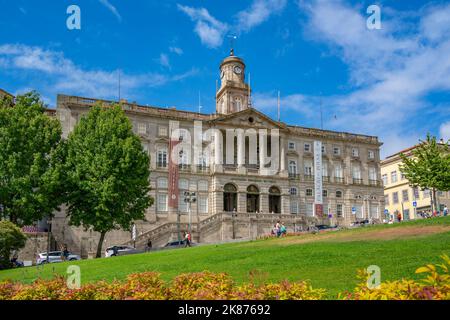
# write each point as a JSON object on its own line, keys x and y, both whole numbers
{"x": 249, "y": 118}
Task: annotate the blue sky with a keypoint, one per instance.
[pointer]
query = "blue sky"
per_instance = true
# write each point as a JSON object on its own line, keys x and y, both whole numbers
{"x": 393, "y": 82}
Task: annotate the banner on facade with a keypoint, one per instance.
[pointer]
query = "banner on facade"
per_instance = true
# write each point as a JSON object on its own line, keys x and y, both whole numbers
{"x": 173, "y": 168}
{"x": 318, "y": 201}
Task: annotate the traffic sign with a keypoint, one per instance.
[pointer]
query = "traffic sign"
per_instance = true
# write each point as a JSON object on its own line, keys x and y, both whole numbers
{"x": 414, "y": 203}
{"x": 353, "y": 210}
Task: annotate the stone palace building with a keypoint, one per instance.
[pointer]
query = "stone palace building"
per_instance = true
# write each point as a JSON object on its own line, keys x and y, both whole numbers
{"x": 237, "y": 197}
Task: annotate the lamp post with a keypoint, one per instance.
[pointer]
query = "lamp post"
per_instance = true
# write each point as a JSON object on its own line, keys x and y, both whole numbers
{"x": 49, "y": 223}
{"x": 190, "y": 197}
{"x": 233, "y": 216}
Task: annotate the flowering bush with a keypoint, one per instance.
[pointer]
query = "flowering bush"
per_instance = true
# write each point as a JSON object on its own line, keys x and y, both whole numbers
{"x": 219, "y": 286}
{"x": 435, "y": 286}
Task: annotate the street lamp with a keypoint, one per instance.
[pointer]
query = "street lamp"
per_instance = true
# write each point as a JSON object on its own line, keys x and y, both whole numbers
{"x": 190, "y": 197}
{"x": 233, "y": 216}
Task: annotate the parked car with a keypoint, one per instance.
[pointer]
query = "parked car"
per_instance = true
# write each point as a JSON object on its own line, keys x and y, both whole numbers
{"x": 324, "y": 227}
{"x": 55, "y": 256}
{"x": 120, "y": 250}
{"x": 177, "y": 244}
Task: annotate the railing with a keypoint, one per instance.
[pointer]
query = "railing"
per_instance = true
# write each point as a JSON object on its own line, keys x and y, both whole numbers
{"x": 202, "y": 169}
{"x": 374, "y": 182}
{"x": 308, "y": 177}
{"x": 357, "y": 181}
{"x": 292, "y": 175}
{"x": 184, "y": 167}
{"x": 325, "y": 178}
{"x": 161, "y": 165}
{"x": 339, "y": 179}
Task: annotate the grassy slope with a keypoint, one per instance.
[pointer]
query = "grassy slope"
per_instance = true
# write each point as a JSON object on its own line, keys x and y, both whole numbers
{"x": 327, "y": 263}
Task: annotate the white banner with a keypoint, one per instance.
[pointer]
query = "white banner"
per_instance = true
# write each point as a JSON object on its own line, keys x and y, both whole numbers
{"x": 318, "y": 172}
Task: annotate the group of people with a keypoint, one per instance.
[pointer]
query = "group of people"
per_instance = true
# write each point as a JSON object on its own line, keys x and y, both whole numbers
{"x": 429, "y": 214}
{"x": 279, "y": 229}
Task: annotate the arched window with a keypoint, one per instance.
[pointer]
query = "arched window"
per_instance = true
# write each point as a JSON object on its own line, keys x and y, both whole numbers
{"x": 274, "y": 190}
{"x": 338, "y": 194}
{"x": 229, "y": 187}
{"x": 252, "y": 189}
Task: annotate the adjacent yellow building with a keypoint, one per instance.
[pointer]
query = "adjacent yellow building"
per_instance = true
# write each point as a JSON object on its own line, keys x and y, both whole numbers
{"x": 400, "y": 197}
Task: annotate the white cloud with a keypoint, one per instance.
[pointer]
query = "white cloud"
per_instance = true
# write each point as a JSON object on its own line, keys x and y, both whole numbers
{"x": 111, "y": 8}
{"x": 391, "y": 72}
{"x": 444, "y": 131}
{"x": 258, "y": 12}
{"x": 64, "y": 76}
{"x": 176, "y": 50}
{"x": 210, "y": 30}
{"x": 164, "y": 60}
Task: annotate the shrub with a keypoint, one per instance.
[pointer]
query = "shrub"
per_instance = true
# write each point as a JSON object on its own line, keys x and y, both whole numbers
{"x": 11, "y": 238}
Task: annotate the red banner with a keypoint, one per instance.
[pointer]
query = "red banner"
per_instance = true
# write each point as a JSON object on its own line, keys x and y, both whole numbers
{"x": 319, "y": 210}
{"x": 173, "y": 176}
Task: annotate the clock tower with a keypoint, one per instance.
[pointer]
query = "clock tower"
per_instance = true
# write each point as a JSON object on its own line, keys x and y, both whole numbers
{"x": 233, "y": 94}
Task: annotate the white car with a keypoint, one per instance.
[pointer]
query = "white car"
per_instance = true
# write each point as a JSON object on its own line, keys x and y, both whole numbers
{"x": 121, "y": 250}
{"x": 54, "y": 256}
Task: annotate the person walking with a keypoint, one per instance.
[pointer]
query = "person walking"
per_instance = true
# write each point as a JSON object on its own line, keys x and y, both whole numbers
{"x": 399, "y": 217}
{"x": 187, "y": 238}
{"x": 445, "y": 211}
{"x": 278, "y": 226}
{"x": 65, "y": 252}
{"x": 283, "y": 230}
{"x": 149, "y": 245}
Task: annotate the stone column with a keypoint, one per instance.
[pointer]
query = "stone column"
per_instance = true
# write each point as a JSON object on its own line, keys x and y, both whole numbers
{"x": 218, "y": 150}
{"x": 262, "y": 152}
{"x": 241, "y": 151}
{"x": 283, "y": 171}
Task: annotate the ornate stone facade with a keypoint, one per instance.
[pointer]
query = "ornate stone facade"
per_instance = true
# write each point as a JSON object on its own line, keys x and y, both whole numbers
{"x": 229, "y": 177}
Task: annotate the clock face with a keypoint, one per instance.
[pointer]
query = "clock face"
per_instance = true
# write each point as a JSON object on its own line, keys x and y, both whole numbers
{"x": 237, "y": 70}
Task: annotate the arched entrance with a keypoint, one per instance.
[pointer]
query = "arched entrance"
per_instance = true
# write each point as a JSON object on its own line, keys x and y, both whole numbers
{"x": 274, "y": 200}
{"x": 229, "y": 197}
{"x": 252, "y": 199}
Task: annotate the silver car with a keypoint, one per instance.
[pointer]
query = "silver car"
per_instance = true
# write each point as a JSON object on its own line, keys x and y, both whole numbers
{"x": 121, "y": 250}
{"x": 55, "y": 256}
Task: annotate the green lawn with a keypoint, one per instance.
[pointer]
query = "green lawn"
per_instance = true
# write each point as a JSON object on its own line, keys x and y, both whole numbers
{"x": 329, "y": 261}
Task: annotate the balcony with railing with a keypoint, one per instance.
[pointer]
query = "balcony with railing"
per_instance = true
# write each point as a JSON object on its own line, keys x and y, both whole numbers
{"x": 357, "y": 181}
{"x": 339, "y": 179}
{"x": 308, "y": 177}
{"x": 161, "y": 164}
{"x": 326, "y": 178}
{"x": 293, "y": 175}
{"x": 202, "y": 169}
{"x": 375, "y": 183}
{"x": 184, "y": 167}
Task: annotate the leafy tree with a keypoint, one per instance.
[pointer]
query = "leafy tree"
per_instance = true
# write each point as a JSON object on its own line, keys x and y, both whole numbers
{"x": 11, "y": 238}
{"x": 107, "y": 173}
{"x": 428, "y": 167}
{"x": 28, "y": 137}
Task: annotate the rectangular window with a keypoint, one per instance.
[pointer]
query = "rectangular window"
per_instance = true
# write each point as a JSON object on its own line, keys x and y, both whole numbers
{"x": 291, "y": 145}
{"x": 339, "y": 211}
{"x": 142, "y": 128}
{"x": 309, "y": 210}
{"x": 384, "y": 177}
{"x": 372, "y": 174}
{"x": 395, "y": 197}
{"x": 324, "y": 169}
{"x": 402, "y": 176}
{"x": 324, "y": 193}
{"x": 416, "y": 193}
{"x": 203, "y": 204}
{"x": 162, "y": 158}
{"x": 371, "y": 154}
{"x": 386, "y": 200}
{"x": 324, "y": 149}
{"x": 393, "y": 176}
{"x": 203, "y": 185}
{"x": 405, "y": 195}
{"x": 338, "y": 172}
{"x": 162, "y": 131}
{"x": 309, "y": 192}
{"x": 294, "y": 207}
{"x": 426, "y": 193}
{"x": 308, "y": 168}
{"x": 356, "y": 169}
{"x": 162, "y": 183}
{"x": 336, "y": 151}
{"x": 162, "y": 202}
{"x": 307, "y": 147}
{"x": 355, "y": 152}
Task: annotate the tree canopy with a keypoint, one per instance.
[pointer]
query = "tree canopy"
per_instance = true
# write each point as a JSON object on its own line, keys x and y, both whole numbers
{"x": 11, "y": 238}
{"x": 107, "y": 173}
{"x": 28, "y": 138}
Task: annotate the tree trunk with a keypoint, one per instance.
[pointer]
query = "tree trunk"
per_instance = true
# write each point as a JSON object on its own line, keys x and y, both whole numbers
{"x": 100, "y": 244}
{"x": 435, "y": 200}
